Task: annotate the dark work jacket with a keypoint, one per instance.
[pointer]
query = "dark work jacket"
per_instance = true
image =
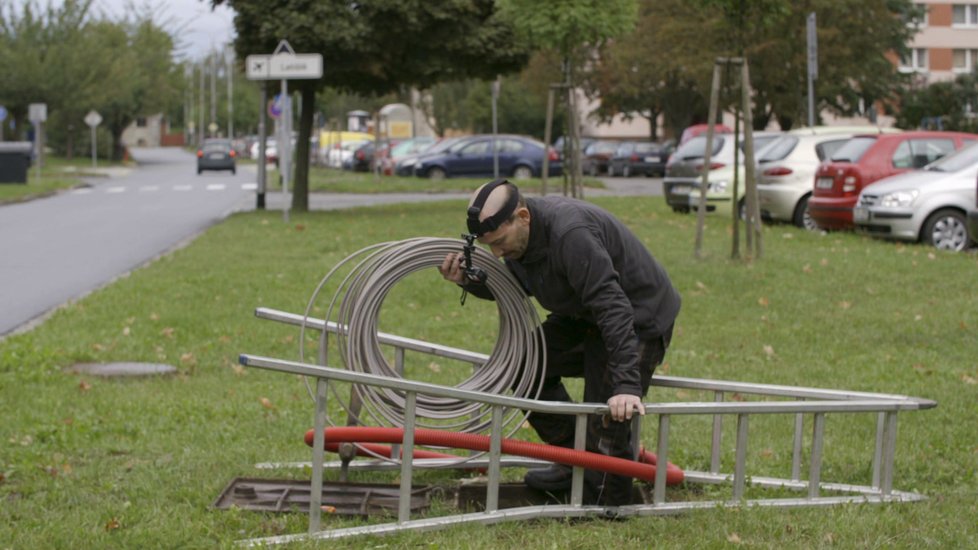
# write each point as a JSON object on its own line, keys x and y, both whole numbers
{"x": 583, "y": 263}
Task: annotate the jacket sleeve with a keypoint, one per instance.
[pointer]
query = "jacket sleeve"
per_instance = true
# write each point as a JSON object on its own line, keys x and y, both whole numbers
{"x": 592, "y": 275}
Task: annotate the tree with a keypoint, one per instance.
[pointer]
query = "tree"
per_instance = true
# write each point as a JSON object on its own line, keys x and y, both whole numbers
{"x": 667, "y": 62}
{"x": 377, "y": 46}
{"x": 940, "y": 105}
{"x": 574, "y": 29}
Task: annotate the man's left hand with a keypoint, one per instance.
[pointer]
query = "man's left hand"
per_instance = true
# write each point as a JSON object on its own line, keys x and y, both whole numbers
{"x": 622, "y": 405}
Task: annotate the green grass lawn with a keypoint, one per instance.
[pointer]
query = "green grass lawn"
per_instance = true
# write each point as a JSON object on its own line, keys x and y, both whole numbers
{"x": 134, "y": 463}
{"x": 332, "y": 180}
{"x": 57, "y": 173}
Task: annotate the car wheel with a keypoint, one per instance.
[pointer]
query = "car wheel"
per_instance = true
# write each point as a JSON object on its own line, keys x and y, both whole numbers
{"x": 436, "y": 173}
{"x": 946, "y": 230}
{"x": 802, "y": 218}
{"x": 522, "y": 173}
{"x": 681, "y": 209}
{"x": 626, "y": 171}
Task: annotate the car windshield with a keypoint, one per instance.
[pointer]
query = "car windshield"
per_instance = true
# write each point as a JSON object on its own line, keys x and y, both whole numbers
{"x": 601, "y": 147}
{"x": 217, "y": 145}
{"x": 646, "y": 148}
{"x": 696, "y": 147}
{"x": 443, "y": 145}
{"x": 959, "y": 160}
{"x": 854, "y": 149}
{"x": 779, "y": 149}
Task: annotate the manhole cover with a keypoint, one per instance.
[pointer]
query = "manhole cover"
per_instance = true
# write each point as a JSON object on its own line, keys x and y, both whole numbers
{"x": 123, "y": 369}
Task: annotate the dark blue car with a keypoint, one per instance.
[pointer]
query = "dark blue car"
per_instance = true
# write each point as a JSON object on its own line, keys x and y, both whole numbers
{"x": 519, "y": 158}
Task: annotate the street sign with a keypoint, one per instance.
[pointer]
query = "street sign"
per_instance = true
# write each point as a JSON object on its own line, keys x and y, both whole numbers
{"x": 37, "y": 112}
{"x": 275, "y": 107}
{"x": 812, "y": 47}
{"x": 93, "y": 119}
{"x": 3, "y": 113}
{"x": 284, "y": 64}
{"x": 256, "y": 67}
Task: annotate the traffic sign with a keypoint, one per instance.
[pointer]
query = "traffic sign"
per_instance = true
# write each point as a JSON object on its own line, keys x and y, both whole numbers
{"x": 3, "y": 113}
{"x": 275, "y": 107}
{"x": 284, "y": 64}
{"x": 93, "y": 119}
{"x": 37, "y": 112}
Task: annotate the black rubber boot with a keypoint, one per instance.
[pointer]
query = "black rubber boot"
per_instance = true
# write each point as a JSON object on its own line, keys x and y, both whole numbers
{"x": 554, "y": 478}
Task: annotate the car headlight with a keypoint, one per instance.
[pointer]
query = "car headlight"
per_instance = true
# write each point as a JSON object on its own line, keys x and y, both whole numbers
{"x": 718, "y": 186}
{"x": 898, "y": 199}
{"x": 407, "y": 163}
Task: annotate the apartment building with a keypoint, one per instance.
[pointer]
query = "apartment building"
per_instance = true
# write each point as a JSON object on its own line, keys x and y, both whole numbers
{"x": 947, "y": 43}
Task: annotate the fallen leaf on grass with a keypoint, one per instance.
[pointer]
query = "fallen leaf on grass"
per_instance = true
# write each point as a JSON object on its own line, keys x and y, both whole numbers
{"x": 98, "y": 347}
{"x": 265, "y": 402}
{"x": 154, "y": 316}
{"x": 737, "y": 397}
{"x": 768, "y": 350}
{"x": 829, "y": 538}
{"x": 763, "y": 302}
{"x": 969, "y": 379}
{"x": 845, "y": 304}
{"x": 112, "y": 524}
{"x": 435, "y": 367}
{"x": 328, "y": 509}
{"x": 84, "y": 386}
{"x": 807, "y": 268}
{"x": 300, "y": 227}
{"x": 700, "y": 285}
{"x": 126, "y": 331}
{"x": 824, "y": 262}
{"x": 918, "y": 317}
{"x": 224, "y": 339}
{"x": 188, "y": 358}
{"x": 767, "y": 453}
{"x": 733, "y": 538}
{"x": 931, "y": 256}
{"x": 167, "y": 332}
{"x": 238, "y": 369}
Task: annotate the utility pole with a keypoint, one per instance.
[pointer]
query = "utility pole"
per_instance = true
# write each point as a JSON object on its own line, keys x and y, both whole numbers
{"x": 201, "y": 127}
{"x": 213, "y": 66}
{"x": 229, "y": 67}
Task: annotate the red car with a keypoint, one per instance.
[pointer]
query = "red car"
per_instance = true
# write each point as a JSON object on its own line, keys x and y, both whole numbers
{"x": 869, "y": 157}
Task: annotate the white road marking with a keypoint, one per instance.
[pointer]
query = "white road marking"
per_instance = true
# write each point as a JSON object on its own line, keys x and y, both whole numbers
{"x": 82, "y": 191}
{"x": 249, "y": 186}
{"x": 216, "y": 187}
{"x": 149, "y": 188}
{"x": 117, "y": 189}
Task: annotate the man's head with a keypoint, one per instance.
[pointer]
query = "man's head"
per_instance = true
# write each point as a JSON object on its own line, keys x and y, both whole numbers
{"x": 498, "y": 216}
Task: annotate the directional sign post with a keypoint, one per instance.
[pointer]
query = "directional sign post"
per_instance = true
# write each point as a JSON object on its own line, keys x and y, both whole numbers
{"x": 37, "y": 113}
{"x": 3, "y": 117}
{"x": 93, "y": 119}
{"x": 284, "y": 64}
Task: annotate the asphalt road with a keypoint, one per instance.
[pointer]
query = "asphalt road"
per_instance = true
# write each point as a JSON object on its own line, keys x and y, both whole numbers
{"x": 58, "y": 249}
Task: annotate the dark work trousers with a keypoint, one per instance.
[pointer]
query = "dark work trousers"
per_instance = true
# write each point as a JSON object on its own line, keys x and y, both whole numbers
{"x": 575, "y": 349}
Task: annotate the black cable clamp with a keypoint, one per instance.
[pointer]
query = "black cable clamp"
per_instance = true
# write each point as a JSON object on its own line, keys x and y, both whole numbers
{"x": 472, "y": 274}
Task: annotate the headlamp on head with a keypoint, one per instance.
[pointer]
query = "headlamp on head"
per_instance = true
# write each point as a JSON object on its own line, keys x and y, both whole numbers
{"x": 481, "y": 227}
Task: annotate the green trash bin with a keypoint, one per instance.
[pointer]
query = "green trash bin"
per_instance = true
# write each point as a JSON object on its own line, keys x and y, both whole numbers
{"x": 15, "y": 160}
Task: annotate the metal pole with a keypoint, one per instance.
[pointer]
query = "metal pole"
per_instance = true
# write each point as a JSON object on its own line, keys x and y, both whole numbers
{"x": 230, "y": 97}
{"x": 94, "y": 149}
{"x": 213, "y": 90}
{"x": 37, "y": 146}
{"x": 202, "y": 128}
{"x": 495, "y": 130}
{"x": 284, "y": 146}
{"x": 548, "y": 128}
{"x": 262, "y": 103}
{"x": 812, "y": 66}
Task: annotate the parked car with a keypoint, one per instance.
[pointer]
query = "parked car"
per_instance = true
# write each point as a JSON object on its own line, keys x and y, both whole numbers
{"x": 636, "y": 158}
{"x": 596, "y": 156}
{"x": 787, "y": 169}
{"x": 271, "y": 150}
{"x": 405, "y": 166}
{"x": 684, "y": 172}
{"x": 216, "y": 154}
{"x": 584, "y": 143}
{"x": 519, "y": 157}
{"x": 340, "y": 154}
{"x": 404, "y": 149}
{"x": 928, "y": 205}
{"x": 868, "y": 158}
{"x": 700, "y": 130}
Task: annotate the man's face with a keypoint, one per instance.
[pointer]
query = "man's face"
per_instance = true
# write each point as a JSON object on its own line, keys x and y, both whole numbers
{"x": 511, "y": 239}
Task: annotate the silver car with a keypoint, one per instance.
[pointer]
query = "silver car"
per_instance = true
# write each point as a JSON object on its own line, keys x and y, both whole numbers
{"x": 684, "y": 172}
{"x": 787, "y": 170}
{"x": 928, "y": 205}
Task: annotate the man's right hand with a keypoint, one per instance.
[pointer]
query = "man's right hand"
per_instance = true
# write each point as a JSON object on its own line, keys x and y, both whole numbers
{"x": 451, "y": 269}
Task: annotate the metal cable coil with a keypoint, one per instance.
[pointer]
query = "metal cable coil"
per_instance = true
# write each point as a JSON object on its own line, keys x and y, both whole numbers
{"x": 513, "y": 366}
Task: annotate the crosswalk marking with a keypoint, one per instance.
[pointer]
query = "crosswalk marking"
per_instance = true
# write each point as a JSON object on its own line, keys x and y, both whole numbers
{"x": 182, "y": 187}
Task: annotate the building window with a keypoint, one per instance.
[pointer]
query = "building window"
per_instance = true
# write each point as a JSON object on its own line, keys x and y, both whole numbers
{"x": 915, "y": 60}
{"x": 924, "y": 19}
{"x": 964, "y": 15}
{"x": 140, "y": 122}
{"x": 963, "y": 61}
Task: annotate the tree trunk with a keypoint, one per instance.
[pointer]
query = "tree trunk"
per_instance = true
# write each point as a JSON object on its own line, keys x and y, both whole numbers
{"x": 300, "y": 190}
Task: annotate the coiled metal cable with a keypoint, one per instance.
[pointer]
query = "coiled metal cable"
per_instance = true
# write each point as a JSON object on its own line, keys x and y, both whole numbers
{"x": 513, "y": 366}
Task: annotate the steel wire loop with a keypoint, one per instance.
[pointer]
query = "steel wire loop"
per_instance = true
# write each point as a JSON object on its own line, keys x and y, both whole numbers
{"x": 513, "y": 367}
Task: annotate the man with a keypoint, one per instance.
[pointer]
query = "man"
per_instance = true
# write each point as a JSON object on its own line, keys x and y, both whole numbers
{"x": 612, "y": 314}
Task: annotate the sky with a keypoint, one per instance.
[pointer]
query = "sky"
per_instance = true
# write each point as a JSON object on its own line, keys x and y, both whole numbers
{"x": 196, "y": 28}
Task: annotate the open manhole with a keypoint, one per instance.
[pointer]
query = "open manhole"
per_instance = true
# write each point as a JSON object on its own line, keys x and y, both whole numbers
{"x": 122, "y": 369}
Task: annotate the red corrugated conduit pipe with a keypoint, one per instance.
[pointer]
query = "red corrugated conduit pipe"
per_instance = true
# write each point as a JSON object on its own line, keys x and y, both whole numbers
{"x": 645, "y": 469}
